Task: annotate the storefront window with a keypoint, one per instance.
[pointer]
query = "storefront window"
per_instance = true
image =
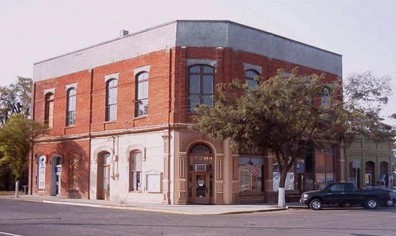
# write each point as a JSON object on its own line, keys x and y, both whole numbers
{"x": 250, "y": 174}
{"x": 289, "y": 184}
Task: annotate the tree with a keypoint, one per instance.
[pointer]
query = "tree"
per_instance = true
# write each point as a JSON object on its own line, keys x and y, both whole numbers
{"x": 286, "y": 115}
{"x": 16, "y": 141}
{"x": 16, "y": 98}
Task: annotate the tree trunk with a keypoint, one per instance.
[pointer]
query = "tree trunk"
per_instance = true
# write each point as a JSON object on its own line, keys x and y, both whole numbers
{"x": 281, "y": 190}
{"x": 16, "y": 188}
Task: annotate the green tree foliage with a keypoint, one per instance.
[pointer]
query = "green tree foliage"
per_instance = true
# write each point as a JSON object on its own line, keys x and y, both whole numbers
{"x": 16, "y": 98}
{"x": 16, "y": 140}
{"x": 286, "y": 115}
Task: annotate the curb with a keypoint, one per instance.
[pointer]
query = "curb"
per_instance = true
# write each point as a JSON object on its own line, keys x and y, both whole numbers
{"x": 164, "y": 211}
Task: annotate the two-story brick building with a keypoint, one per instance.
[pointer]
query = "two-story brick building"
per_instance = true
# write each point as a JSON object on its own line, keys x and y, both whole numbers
{"x": 117, "y": 116}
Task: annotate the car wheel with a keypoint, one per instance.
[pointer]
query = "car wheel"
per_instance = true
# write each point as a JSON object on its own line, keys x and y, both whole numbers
{"x": 315, "y": 204}
{"x": 371, "y": 203}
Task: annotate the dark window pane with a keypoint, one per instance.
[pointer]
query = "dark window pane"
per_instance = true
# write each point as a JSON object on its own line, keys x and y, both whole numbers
{"x": 251, "y": 73}
{"x": 251, "y": 83}
{"x": 195, "y": 86}
{"x": 207, "y": 99}
{"x": 251, "y": 77}
{"x": 195, "y": 69}
{"x": 193, "y": 101}
{"x": 208, "y": 70}
{"x": 208, "y": 84}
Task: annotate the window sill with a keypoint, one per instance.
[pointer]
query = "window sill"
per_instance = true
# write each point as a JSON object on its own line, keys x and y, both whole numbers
{"x": 110, "y": 122}
{"x": 140, "y": 117}
{"x": 136, "y": 191}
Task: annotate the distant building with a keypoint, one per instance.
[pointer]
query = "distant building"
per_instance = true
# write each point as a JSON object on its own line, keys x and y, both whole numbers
{"x": 369, "y": 163}
{"x": 117, "y": 116}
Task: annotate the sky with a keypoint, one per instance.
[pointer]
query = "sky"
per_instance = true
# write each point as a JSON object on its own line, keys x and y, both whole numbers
{"x": 362, "y": 31}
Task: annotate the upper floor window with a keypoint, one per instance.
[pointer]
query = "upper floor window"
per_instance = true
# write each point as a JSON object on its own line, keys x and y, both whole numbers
{"x": 251, "y": 77}
{"x": 201, "y": 84}
{"x": 111, "y": 100}
{"x": 325, "y": 100}
{"x": 141, "y": 105}
{"x": 71, "y": 107}
{"x": 49, "y": 110}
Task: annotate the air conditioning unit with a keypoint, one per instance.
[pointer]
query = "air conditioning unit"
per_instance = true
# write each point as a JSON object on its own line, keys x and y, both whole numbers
{"x": 200, "y": 167}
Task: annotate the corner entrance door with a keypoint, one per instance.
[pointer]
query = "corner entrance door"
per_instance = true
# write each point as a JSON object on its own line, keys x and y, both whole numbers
{"x": 201, "y": 188}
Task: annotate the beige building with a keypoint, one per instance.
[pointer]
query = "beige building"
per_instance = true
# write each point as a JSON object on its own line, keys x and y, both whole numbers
{"x": 368, "y": 162}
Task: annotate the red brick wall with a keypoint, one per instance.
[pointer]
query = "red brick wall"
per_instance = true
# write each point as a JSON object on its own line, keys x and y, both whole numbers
{"x": 229, "y": 66}
{"x": 167, "y": 70}
{"x": 65, "y": 149}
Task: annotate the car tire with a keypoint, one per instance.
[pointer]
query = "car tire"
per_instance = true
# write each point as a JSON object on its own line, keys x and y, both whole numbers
{"x": 315, "y": 204}
{"x": 371, "y": 203}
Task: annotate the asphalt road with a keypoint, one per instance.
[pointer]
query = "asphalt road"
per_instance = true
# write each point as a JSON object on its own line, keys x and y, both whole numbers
{"x": 33, "y": 218}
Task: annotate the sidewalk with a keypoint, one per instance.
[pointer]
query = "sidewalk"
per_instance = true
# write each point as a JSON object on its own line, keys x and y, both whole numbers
{"x": 175, "y": 209}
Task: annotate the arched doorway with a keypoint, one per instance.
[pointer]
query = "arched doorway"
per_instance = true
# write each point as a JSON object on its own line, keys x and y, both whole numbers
{"x": 103, "y": 183}
{"x": 56, "y": 174}
{"x": 383, "y": 175}
{"x": 369, "y": 173}
{"x": 200, "y": 174}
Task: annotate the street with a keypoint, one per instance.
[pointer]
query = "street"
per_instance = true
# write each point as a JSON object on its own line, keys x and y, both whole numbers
{"x": 34, "y": 218}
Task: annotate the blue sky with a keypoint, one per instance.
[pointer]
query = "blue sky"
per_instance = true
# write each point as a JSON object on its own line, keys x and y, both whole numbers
{"x": 362, "y": 31}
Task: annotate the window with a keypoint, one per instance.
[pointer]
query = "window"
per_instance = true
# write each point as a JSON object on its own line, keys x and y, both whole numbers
{"x": 251, "y": 77}
{"x": 201, "y": 81}
{"x": 49, "y": 110}
{"x": 250, "y": 175}
{"x": 141, "y": 94}
{"x": 135, "y": 170}
{"x": 111, "y": 100}
{"x": 325, "y": 100}
{"x": 71, "y": 107}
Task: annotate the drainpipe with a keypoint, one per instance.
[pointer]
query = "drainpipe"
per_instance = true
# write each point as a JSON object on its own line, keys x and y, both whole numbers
{"x": 169, "y": 129}
{"x": 31, "y": 154}
{"x": 89, "y": 132}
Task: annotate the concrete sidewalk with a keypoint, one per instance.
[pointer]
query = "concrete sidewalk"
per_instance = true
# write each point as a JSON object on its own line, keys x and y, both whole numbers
{"x": 175, "y": 209}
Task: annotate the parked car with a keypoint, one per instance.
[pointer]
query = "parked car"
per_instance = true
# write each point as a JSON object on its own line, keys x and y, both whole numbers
{"x": 345, "y": 194}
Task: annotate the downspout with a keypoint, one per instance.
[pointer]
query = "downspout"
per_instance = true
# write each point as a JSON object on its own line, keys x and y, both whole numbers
{"x": 169, "y": 128}
{"x": 89, "y": 131}
{"x": 30, "y": 176}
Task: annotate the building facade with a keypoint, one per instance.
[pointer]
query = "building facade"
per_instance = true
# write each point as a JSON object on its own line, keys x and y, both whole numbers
{"x": 117, "y": 116}
{"x": 369, "y": 163}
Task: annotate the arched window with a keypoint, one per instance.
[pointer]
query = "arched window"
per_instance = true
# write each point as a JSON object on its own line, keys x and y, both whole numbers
{"x": 49, "y": 110}
{"x": 71, "y": 107}
{"x": 141, "y": 94}
{"x": 111, "y": 100}
{"x": 201, "y": 84}
{"x": 251, "y": 77}
{"x": 369, "y": 173}
{"x": 135, "y": 170}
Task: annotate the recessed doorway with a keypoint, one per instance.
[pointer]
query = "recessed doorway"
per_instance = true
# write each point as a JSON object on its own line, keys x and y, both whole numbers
{"x": 200, "y": 175}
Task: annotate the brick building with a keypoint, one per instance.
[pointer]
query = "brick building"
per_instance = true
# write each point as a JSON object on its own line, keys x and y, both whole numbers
{"x": 117, "y": 115}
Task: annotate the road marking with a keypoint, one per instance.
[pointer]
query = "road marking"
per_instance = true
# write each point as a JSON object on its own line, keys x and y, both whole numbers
{"x": 4, "y": 233}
